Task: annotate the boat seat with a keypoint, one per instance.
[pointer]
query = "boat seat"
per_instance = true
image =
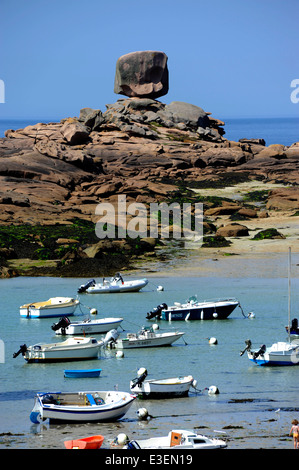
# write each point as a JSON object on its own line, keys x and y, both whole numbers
{"x": 90, "y": 399}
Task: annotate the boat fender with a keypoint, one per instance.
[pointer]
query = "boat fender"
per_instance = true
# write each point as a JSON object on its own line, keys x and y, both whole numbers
{"x": 122, "y": 439}
{"x": 213, "y": 340}
{"x": 23, "y": 349}
{"x": 213, "y": 390}
{"x": 142, "y": 413}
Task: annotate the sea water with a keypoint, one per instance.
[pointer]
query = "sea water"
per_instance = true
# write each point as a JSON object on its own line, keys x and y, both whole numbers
{"x": 253, "y": 410}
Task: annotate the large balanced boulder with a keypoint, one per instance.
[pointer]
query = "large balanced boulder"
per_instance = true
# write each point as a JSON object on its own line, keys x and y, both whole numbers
{"x": 142, "y": 74}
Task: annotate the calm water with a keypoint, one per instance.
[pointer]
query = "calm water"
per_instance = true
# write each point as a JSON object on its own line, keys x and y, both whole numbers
{"x": 283, "y": 131}
{"x": 255, "y": 405}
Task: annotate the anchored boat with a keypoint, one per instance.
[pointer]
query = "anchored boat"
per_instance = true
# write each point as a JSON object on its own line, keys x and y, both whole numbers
{"x": 81, "y": 406}
{"x": 218, "y": 309}
{"x": 73, "y": 349}
{"x": 145, "y": 338}
{"x": 161, "y": 388}
{"x": 54, "y": 307}
{"x": 114, "y": 285}
{"x": 88, "y": 326}
{"x": 178, "y": 439}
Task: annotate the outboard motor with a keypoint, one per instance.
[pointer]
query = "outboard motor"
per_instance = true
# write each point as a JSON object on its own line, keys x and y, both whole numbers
{"x": 110, "y": 338}
{"x": 84, "y": 287}
{"x": 156, "y": 312}
{"x": 63, "y": 323}
{"x": 142, "y": 374}
{"x": 294, "y": 325}
{"x": 260, "y": 352}
{"x": 248, "y": 346}
{"x": 23, "y": 349}
{"x": 118, "y": 277}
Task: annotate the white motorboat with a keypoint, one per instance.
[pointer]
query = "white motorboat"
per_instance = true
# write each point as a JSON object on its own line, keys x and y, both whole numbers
{"x": 161, "y": 388}
{"x": 178, "y": 439}
{"x": 145, "y": 338}
{"x": 281, "y": 353}
{"x": 54, "y": 307}
{"x": 114, "y": 285}
{"x": 215, "y": 309}
{"x": 88, "y": 326}
{"x": 81, "y": 406}
{"x": 73, "y": 349}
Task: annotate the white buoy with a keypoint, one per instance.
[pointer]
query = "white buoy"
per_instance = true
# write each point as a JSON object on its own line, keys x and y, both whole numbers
{"x": 213, "y": 340}
{"x": 142, "y": 413}
{"x": 213, "y": 390}
{"x": 155, "y": 326}
{"x": 160, "y": 288}
{"x": 119, "y": 354}
{"x": 215, "y": 315}
{"x": 122, "y": 439}
{"x": 93, "y": 311}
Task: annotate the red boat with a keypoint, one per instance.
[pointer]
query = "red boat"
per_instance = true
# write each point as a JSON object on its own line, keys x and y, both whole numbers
{"x": 92, "y": 442}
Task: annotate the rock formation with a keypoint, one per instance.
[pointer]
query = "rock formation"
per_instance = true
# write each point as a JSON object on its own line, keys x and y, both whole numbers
{"x": 139, "y": 146}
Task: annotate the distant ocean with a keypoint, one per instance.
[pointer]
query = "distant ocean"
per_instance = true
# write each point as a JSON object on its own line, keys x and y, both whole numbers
{"x": 283, "y": 131}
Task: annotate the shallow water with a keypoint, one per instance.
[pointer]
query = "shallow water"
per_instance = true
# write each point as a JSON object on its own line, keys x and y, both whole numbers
{"x": 253, "y": 410}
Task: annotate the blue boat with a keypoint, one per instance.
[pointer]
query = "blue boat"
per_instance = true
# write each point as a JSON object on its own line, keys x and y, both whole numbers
{"x": 77, "y": 373}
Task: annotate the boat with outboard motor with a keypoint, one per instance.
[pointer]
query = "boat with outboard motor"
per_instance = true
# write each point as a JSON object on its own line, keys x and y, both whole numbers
{"x": 88, "y": 326}
{"x": 281, "y": 353}
{"x": 178, "y": 439}
{"x": 193, "y": 309}
{"x": 83, "y": 406}
{"x": 114, "y": 285}
{"x": 73, "y": 349}
{"x": 144, "y": 338}
{"x": 161, "y": 388}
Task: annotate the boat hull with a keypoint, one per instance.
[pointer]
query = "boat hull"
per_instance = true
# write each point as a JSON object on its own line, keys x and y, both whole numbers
{"x": 55, "y": 307}
{"x": 79, "y": 349}
{"x": 167, "y": 388}
{"x": 117, "y": 287}
{"x": 201, "y": 311}
{"x": 178, "y": 439}
{"x": 90, "y": 327}
{"x": 166, "y": 339}
{"x": 115, "y": 405}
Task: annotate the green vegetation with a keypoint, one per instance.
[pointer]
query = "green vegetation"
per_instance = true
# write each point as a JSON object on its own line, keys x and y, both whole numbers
{"x": 268, "y": 234}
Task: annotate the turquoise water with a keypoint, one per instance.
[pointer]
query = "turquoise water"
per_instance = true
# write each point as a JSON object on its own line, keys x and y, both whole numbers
{"x": 246, "y": 409}
{"x": 283, "y": 131}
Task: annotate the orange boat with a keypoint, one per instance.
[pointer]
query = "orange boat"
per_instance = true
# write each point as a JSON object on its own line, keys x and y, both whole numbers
{"x": 92, "y": 442}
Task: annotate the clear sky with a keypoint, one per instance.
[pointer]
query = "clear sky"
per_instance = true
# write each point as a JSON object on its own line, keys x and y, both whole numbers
{"x": 233, "y": 58}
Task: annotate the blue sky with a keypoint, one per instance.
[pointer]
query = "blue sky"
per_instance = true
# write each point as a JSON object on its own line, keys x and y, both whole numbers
{"x": 233, "y": 58}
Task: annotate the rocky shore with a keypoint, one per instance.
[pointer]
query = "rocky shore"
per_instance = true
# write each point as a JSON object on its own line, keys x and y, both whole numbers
{"x": 53, "y": 176}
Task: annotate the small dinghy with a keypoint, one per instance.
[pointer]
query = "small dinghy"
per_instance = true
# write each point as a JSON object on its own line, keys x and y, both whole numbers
{"x": 54, "y": 307}
{"x": 79, "y": 373}
{"x": 161, "y": 388}
{"x": 92, "y": 442}
{"x": 145, "y": 338}
{"x": 178, "y": 439}
{"x": 89, "y": 326}
{"x": 114, "y": 285}
{"x": 81, "y": 406}
{"x": 73, "y": 349}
